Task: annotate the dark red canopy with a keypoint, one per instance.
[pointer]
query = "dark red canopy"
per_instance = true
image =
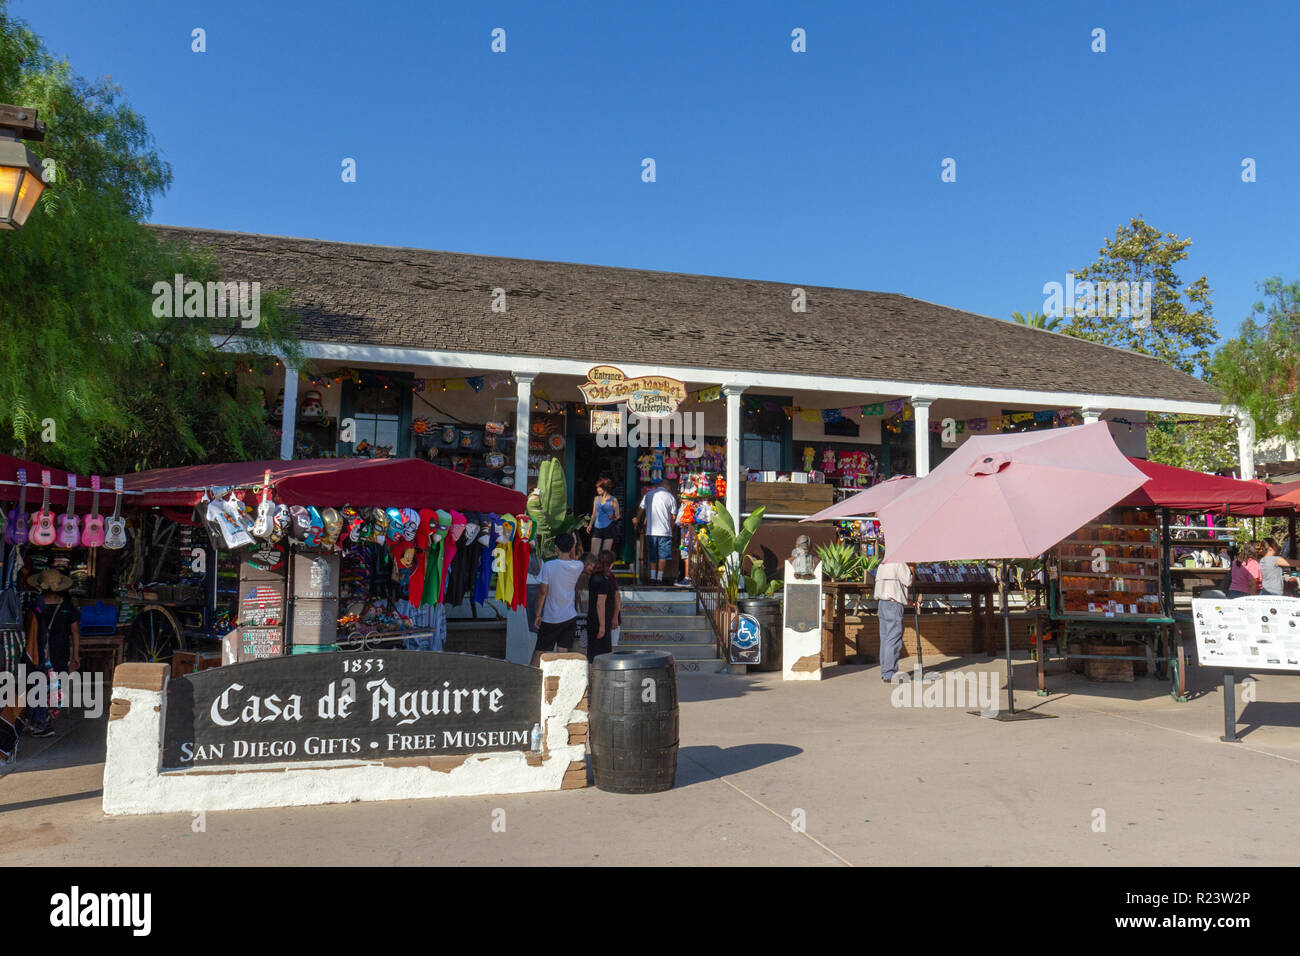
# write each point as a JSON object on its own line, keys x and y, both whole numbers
{"x": 1184, "y": 490}
{"x": 58, "y": 486}
{"x": 330, "y": 482}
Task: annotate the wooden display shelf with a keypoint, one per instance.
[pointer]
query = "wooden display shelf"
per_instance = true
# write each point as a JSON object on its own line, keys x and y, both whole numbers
{"x": 1114, "y": 576}
{"x": 1095, "y": 541}
{"x": 1088, "y": 557}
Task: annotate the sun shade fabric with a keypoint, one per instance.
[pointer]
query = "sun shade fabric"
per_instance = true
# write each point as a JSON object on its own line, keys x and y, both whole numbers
{"x": 330, "y": 482}
{"x": 1008, "y": 496}
{"x": 864, "y": 502}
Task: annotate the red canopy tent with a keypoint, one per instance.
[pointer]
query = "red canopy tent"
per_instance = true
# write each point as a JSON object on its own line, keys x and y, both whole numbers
{"x": 330, "y": 482}
{"x": 9, "y": 489}
{"x": 1183, "y": 490}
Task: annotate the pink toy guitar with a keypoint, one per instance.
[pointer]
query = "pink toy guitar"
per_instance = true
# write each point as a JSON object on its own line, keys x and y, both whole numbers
{"x": 69, "y": 523}
{"x": 92, "y": 533}
{"x": 42, "y": 530}
{"x": 16, "y": 526}
{"x": 115, "y": 536}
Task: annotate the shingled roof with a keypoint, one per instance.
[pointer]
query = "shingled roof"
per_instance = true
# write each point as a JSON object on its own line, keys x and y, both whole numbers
{"x": 417, "y": 298}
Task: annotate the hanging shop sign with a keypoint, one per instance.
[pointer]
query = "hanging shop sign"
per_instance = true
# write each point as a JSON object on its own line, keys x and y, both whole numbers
{"x": 1257, "y": 632}
{"x": 605, "y": 421}
{"x": 379, "y": 705}
{"x": 650, "y": 396}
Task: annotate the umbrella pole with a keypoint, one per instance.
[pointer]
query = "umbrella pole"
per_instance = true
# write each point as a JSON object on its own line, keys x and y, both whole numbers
{"x": 1006, "y": 626}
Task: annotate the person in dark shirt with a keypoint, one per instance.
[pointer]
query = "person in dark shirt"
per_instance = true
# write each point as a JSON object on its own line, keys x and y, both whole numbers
{"x": 604, "y": 605}
{"x": 58, "y": 637}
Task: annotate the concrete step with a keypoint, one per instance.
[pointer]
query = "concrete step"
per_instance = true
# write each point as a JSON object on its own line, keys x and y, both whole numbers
{"x": 681, "y": 651}
{"x": 640, "y": 606}
{"x": 663, "y": 637}
{"x": 666, "y": 622}
{"x": 640, "y": 595}
{"x": 689, "y": 668}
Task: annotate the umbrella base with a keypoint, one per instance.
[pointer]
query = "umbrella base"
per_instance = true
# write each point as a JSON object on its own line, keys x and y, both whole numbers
{"x": 1017, "y": 715}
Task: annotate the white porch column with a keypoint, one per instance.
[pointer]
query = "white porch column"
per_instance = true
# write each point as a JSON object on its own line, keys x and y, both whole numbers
{"x": 1091, "y": 415}
{"x": 523, "y": 427}
{"x": 921, "y": 415}
{"x": 734, "y": 439}
{"x": 1246, "y": 444}
{"x": 289, "y": 413}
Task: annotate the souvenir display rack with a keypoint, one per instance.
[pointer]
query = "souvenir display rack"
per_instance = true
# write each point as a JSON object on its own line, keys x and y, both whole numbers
{"x": 1110, "y": 569}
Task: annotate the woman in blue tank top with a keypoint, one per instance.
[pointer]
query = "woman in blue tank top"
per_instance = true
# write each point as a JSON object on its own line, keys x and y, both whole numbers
{"x": 605, "y": 515}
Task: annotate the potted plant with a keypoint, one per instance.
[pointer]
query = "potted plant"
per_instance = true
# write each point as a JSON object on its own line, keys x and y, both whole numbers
{"x": 751, "y": 592}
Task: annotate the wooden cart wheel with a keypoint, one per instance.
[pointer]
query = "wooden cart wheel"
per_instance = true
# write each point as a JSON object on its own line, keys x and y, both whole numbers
{"x": 154, "y": 636}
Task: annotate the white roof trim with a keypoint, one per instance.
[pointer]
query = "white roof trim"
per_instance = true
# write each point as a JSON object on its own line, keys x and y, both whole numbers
{"x": 768, "y": 381}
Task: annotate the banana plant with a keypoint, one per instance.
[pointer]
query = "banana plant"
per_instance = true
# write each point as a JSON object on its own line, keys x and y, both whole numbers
{"x": 725, "y": 547}
{"x": 548, "y": 505}
{"x": 756, "y": 583}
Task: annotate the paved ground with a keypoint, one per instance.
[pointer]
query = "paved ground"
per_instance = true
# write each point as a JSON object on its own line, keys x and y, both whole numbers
{"x": 876, "y": 785}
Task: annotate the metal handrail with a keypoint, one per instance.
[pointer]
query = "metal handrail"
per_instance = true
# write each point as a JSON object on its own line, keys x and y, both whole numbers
{"x": 711, "y": 597}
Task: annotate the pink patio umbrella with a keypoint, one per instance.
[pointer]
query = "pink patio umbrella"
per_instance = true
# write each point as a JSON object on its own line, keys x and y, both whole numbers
{"x": 865, "y": 502}
{"x": 1008, "y": 496}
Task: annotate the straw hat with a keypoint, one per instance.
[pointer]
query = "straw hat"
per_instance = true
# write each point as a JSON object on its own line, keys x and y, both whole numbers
{"x": 50, "y": 580}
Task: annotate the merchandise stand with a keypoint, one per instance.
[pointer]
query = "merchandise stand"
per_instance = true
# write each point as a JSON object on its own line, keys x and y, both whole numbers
{"x": 1078, "y": 608}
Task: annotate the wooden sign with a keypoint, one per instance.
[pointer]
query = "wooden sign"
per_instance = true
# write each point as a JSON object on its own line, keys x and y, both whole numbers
{"x": 322, "y": 707}
{"x": 650, "y": 396}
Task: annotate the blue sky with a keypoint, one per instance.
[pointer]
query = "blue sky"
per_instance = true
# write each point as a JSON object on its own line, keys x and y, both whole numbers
{"x": 820, "y": 168}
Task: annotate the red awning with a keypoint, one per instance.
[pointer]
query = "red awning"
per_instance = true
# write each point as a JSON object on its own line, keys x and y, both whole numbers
{"x": 1184, "y": 490}
{"x": 330, "y": 482}
{"x": 9, "y": 490}
{"x": 1283, "y": 500}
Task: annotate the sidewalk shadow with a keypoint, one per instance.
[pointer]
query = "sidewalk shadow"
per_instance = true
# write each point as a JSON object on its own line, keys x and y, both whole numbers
{"x": 78, "y": 741}
{"x": 702, "y": 764}
{"x": 700, "y": 687}
{"x": 1259, "y": 714}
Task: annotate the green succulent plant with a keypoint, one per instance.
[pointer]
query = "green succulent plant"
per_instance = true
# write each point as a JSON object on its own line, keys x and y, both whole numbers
{"x": 842, "y": 562}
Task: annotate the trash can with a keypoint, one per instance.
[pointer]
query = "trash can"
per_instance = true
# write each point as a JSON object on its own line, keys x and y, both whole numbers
{"x": 767, "y": 611}
{"x": 634, "y": 721}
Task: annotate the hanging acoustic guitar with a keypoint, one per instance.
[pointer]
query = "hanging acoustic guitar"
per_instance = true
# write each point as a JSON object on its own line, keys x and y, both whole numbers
{"x": 16, "y": 526}
{"x": 69, "y": 523}
{"x": 92, "y": 532}
{"x": 115, "y": 534}
{"x": 42, "y": 530}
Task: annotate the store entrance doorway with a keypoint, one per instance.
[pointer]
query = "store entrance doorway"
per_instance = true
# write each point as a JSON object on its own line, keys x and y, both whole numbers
{"x": 591, "y": 463}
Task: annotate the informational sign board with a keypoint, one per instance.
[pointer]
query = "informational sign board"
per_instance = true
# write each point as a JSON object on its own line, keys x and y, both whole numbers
{"x": 377, "y": 705}
{"x": 258, "y": 642}
{"x": 803, "y": 605}
{"x": 747, "y": 642}
{"x": 1251, "y": 633}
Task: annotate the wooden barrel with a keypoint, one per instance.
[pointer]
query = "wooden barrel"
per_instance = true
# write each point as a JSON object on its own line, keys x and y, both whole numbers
{"x": 634, "y": 721}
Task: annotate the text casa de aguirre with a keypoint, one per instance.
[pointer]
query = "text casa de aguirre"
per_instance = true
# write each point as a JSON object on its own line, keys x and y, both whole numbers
{"x": 340, "y": 703}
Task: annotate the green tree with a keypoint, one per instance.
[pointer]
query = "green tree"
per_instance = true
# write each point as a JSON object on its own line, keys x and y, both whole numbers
{"x": 93, "y": 380}
{"x": 1180, "y": 327}
{"x": 1199, "y": 445}
{"x": 1037, "y": 320}
{"x": 1259, "y": 370}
